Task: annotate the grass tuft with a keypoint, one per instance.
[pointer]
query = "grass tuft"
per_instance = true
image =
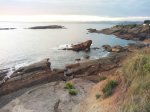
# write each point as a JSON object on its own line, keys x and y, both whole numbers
{"x": 102, "y": 78}
{"x": 136, "y": 72}
{"x": 97, "y": 96}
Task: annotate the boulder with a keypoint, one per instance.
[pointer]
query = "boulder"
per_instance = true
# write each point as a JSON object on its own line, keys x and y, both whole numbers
{"x": 118, "y": 48}
{"x": 43, "y": 65}
{"x": 84, "y": 46}
{"x": 86, "y": 56}
{"x": 107, "y": 48}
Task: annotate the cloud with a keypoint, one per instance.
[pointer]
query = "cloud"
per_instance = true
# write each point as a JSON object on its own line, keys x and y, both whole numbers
{"x": 84, "y": 7}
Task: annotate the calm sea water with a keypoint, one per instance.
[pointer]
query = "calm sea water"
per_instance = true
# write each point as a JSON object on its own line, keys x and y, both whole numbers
{"x": 21, "y": 46}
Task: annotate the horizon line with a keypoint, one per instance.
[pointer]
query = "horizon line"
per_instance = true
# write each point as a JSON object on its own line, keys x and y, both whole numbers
{"x": 68, "y": 18}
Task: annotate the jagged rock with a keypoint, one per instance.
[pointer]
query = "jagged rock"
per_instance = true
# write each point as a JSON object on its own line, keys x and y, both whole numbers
{"x": 84, "y": 46}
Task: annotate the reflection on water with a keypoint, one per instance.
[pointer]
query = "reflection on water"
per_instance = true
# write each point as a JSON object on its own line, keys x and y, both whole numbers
{"x": 23, "y": 46}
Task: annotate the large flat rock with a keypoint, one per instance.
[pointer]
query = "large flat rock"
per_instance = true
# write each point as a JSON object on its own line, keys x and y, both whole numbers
{"x": 51, "y": 97}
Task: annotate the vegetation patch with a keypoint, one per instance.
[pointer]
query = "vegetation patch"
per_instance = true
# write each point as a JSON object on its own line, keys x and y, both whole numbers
{"x": 97, "y": 96}
{"x": 102, "y": 78}
{"x": 69, "y": 85}
{"x": 136, "y": 72}
{"x": 107, "y": 90}
{"x": 73, "y": 92}
{"x": 71, "y": 88}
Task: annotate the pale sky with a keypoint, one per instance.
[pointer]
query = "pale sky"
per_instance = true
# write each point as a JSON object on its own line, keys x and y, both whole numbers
{"x": 99, "y": 8}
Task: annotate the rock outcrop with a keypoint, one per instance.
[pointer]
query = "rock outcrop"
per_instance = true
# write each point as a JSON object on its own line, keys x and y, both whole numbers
{"x": 116, "y": 48}
{"x": 84, "y": 46}
{"x": 128, "y": 32}
{"x": 25, "y": 76}
{"x": 47, "y": 27}
{"x": 50, "y": 97}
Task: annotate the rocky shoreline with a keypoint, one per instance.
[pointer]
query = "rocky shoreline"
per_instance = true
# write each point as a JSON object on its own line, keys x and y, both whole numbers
{"x": 41, "y": 72}
{"x": 128, "y": 32}
{"x": 40, "y": 83}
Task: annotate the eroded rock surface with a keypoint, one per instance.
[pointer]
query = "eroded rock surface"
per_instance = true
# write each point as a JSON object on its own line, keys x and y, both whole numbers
{"x": 51, "y": 97}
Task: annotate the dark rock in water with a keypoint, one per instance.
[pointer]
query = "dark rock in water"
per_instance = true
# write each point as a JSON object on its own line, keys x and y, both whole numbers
{"x": 107, "y": 48}
{"x": 78, "y": 59}
{"x": 3, "y": 73}
{"x": 86, "y": 56}
{"x": 91, "y": 30}
{"x": 118, "y": 48}
{"x": 95, "y": 48}
{"x": 84, "y": 46}
{"x": 136, "y": 45}
{"x": 7, "y": 28}
{"x": 47, "y": 27}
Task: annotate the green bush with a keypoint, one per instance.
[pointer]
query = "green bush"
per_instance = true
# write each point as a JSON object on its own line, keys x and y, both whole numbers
{"x": 73, "y": 92}
{"x": 102, "y": 78}
{"x": 97, "y": 96}
{"x": 71, "y": 88}
{"x": 69, "y": 85}
{"x": 107, "y": 90}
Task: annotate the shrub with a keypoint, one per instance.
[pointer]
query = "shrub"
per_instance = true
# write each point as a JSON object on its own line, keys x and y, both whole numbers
{"x": 102, "y": 78}
{"x": 69, "y": 85}
{"x": 97, "y": 96}
{"x": 107, "y": 90}
{"x": 73, "y": 92}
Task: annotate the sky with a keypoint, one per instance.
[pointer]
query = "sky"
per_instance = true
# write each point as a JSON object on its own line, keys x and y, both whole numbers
{"x": 114, "y": 9}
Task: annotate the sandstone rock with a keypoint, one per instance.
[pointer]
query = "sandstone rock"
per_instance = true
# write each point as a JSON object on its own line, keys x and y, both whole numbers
{"x": 84, "y": 46}
{"x": 43, "y": 65}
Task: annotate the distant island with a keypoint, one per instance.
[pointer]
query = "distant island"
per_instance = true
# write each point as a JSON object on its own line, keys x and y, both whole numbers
{"x": 7, "y": 28}
{"x": 47, "y": 27}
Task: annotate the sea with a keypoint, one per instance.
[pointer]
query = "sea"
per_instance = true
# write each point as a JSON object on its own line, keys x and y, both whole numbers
{"x": 21, "y": 46}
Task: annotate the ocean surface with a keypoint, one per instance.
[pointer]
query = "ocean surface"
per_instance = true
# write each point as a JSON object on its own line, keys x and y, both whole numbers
{"x": 20, "y": 47}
